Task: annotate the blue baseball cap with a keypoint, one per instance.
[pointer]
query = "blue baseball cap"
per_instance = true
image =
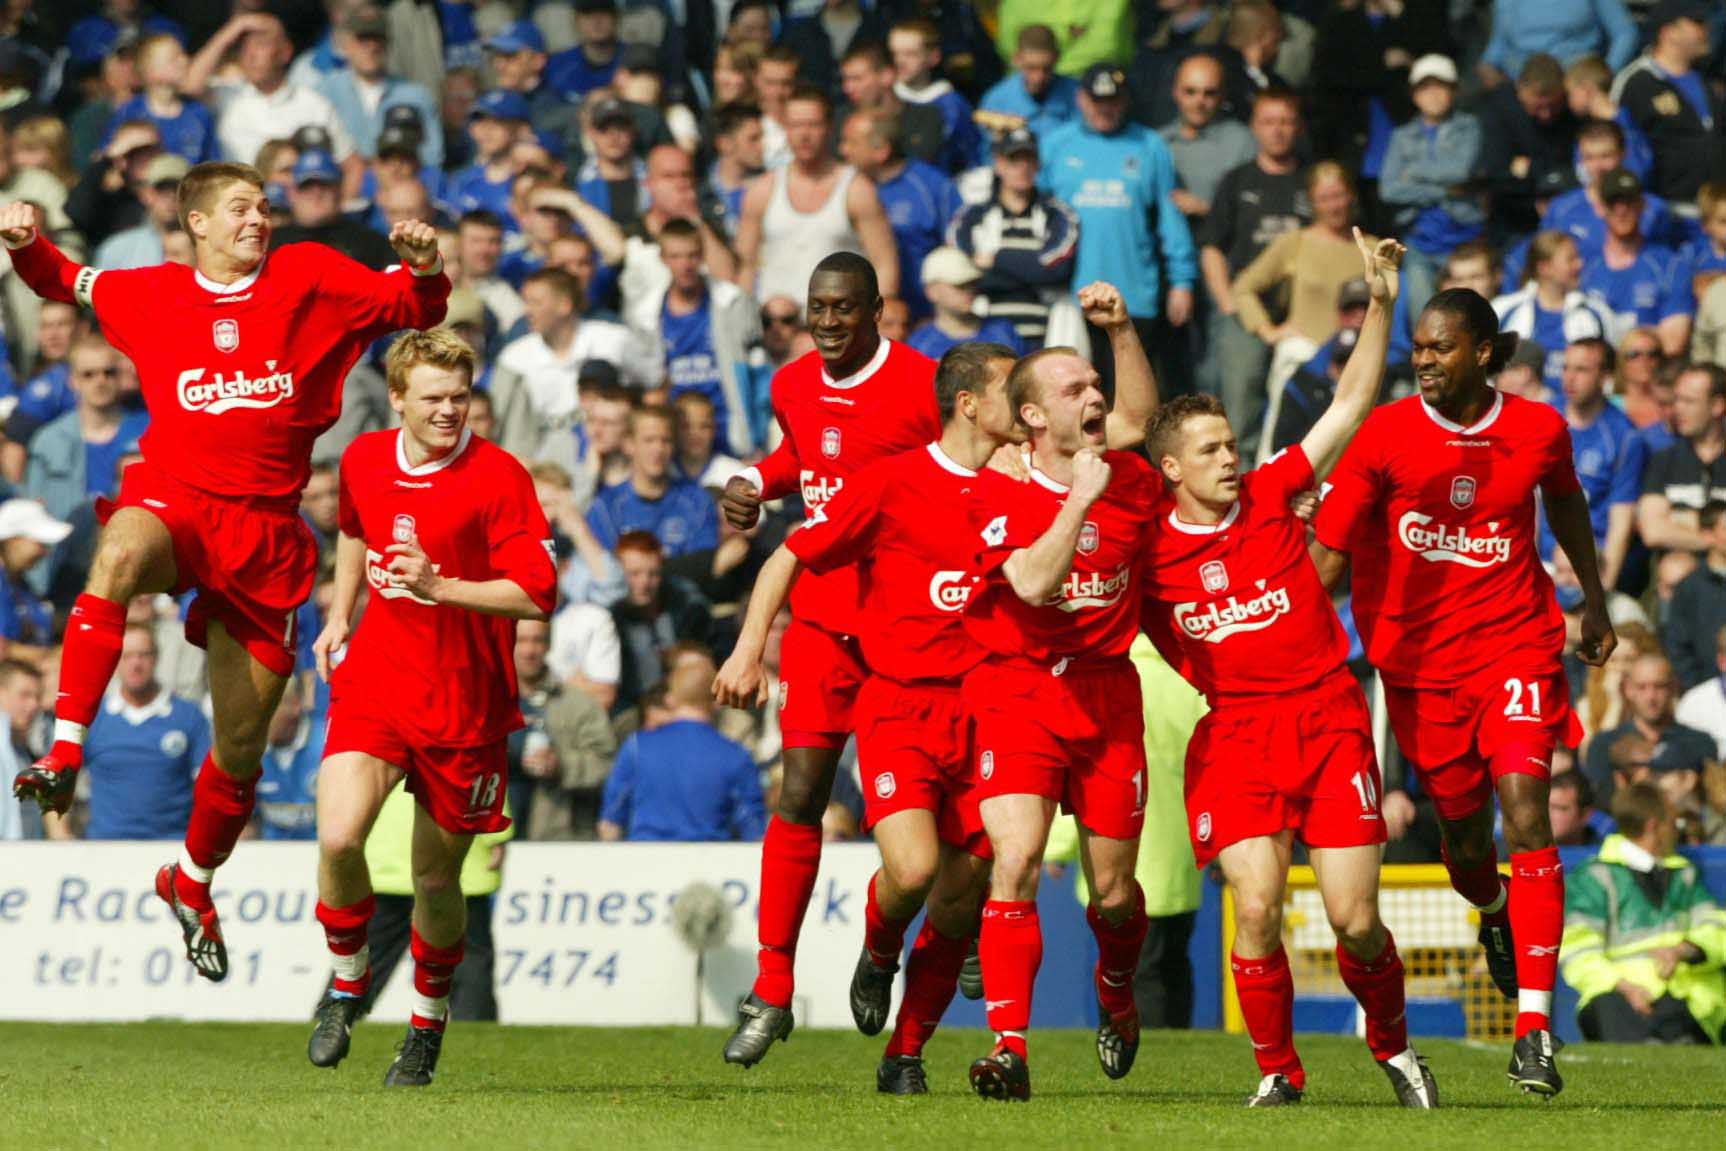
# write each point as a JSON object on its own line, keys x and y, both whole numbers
{"x": 315, "y": 167}
{"x": 518, "y": 36}
{"x": 501, "y": 105}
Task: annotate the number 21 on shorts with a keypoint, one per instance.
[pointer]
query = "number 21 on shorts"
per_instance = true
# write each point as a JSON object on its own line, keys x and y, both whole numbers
{"x": 1523, "y": 698}
{"x": 484, "y": 791}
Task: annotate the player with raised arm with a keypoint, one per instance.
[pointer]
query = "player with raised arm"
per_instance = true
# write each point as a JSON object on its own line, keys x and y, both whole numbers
{"x": 908, "y": 517}
{"x": 241, "y": 359}
{"x": 1059, "y": 718}
{"x": 1285, "y": 754}
{"x": 445, "y": 533}
{"x": 1434, "y": 503}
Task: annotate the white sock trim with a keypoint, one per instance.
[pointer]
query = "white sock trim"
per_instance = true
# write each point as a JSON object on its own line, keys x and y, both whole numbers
{"x": 65, "y": 731}
{"x": 1529, "y": 1001}
{"x": 352, "y": 967}
{"x": 1496, "y": 905}
{"x": 201, "y": 874}
{"x": 428, "y": 1008}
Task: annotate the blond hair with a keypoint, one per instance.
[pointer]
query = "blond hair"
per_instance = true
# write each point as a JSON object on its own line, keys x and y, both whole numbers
{"x": 439, "y": 347}
{"x": 49, "y": 134}
{"x": 200, "y": 187}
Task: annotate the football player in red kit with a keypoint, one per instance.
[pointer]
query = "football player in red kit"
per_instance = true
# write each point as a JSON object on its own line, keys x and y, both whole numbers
{"x": 1059, "y": 719}
{"x": 1286, "y": 751}
{"x": 445, "y": 533}
{"x": 241, "y": 359}
{"x": 1434, "y": 503}
{"x": 908, "y": 516}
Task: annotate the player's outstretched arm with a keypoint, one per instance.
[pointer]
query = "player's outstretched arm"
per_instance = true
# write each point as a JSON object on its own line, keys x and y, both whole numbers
{"x": 1037, "y": 572}
{"x": 1358, "y": 388}
{"x": 40, "y": 264}
{"x": 350, "y": 573}
{"x": 742, "y": 682}
{"x": 1135, "y": 383}
{"x": 1567, "y": 514}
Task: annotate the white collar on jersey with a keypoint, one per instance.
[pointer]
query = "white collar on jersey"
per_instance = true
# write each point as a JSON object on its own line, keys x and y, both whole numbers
{"x": 429, "y": 466}
{"x": 159, "y": 708}
{"x": 1041, "y": 478}
{"x": 1481, "y": 425}
{"x": 1222, "y": 525}
{"x": 861, "y": 375}
{"x": 233, "y": 289}
{"x": 946, "y": 462}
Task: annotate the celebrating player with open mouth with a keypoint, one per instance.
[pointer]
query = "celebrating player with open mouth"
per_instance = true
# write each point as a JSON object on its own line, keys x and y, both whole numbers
{"x": 1285, "y": 753}
{"x": 445, "y": 532}
{"x": 241, "y": 359}
{"x": 1435, "y": 504}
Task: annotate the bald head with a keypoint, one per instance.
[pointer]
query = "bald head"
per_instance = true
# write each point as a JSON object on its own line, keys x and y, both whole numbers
{"x": 671, "y": 183}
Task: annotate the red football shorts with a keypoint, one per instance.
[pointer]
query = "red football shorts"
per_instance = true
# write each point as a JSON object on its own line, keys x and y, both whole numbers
{"x": 820, "y": 674}
{"x": 1461, "y": 739}
{"x": 1302, "y": 761}
{"x": 914, "y": 753}
{"x": 462, "y": 788}
{"x": 252, "y": 563}
{"x": 1076, "y": 735}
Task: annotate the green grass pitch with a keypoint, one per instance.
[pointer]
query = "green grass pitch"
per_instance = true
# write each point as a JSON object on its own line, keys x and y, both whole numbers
{"x": 227, "y": 1087}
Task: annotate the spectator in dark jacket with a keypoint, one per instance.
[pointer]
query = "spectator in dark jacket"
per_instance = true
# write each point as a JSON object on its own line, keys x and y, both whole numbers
{"x": 1667, "y": 97}
{"x": 1698, "y": 608}
{"x": 1526, "y": 133}
{"x": 656, "y": 612}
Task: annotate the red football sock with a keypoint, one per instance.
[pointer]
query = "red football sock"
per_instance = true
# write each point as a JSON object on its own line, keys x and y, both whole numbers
{"x": 1480, "y": 885}
{"x": 885, "y": 938}
{"x": 1010, "y": 947}
{"x": 434, "y": 968}
{"x": 345, "y": 932}
{"x": 790, "y": 859}
{"x": 1376, "y": 985}
{"x": 1118, "y": 947}
{"x": 94, "y": 631}
{"x": 1265, "y": 988}
{"x": 1537, "y": 925}
{"x": 931, "y": 977}
{"x": 221, "y": 808}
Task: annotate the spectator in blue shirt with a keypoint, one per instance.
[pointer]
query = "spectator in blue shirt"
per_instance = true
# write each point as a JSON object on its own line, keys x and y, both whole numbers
{"x": 919, "y": 199}
{"x": 516, "y": 54}
{"x": 1551, "y": 307}
{"x": 1034, "y": 92}
{"x": 1588, "y": 88}
{"x": 1580, "y": 211}
{"x": 27, "y": 532}
{"x": 188, "y": 130}
{"x": 951, "y": 279}
{"x": 493, "y": 125}
{"x": 364, "y": 94}
{"x": 1707, "y": 253}
{"x": 1564, "y": 29}
{"x": 677, "y": 512}
{"x": 1642, "y": 283}
{"x": 739, "y": 150}
{"x": 1606, "y": 451}
{"x": 143, "y": 751}
{"x": 593, "y": 61}
{"x": 288, "y": 783}
{"x": 680, "y": 780}
{"x": 47, "y": 391}
{"x": 915, "y": 46}
{"x": 1119, "y": 178}
{"x": 614, "y": 179}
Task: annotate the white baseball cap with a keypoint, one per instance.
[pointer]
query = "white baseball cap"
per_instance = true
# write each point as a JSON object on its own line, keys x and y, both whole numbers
{"x": 31, "y": 520}
{"x": 1432, "y": 66}
{"x": 948, "y": 265}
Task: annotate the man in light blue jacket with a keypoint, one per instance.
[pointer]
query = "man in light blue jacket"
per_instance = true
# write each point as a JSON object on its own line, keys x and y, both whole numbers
{"x": 364, "y": 92}
{"x": 1567, "y": 30}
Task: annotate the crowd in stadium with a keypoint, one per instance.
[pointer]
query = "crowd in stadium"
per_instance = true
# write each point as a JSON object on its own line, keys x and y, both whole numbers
{"x": 630, "y": 197}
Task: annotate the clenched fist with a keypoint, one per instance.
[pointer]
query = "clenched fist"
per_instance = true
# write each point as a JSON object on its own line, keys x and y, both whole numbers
{"x": 741, "y": 503}
{"x": 1090, "y": 476}
{"x": 415, "y": 243}
{"x": 17, "y": 223}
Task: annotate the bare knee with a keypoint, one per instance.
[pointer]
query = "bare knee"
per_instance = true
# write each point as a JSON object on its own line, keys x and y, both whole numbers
{"x": 1258, "y": 920}
{"x": 438, "y": 882}
{"x": 239, "y": 745}
{"x": 1355, "y": 922}
{"x": 1016, "y": 871}
{"x": 1115, "y": 896}
{"x": 341, "y": 842}
{"x": 806, "y": 783}
{"x": 912, "y": 873}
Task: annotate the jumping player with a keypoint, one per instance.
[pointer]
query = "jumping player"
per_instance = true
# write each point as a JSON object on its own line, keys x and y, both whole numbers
{"x": 445, "y": 533}
{"x": 1285, "y": 752}
{"x": 908, "y": 516}
{"x": 1435, "y": 504}
{"x": 241, "y": 359}
{"x": 1059, "y": 719}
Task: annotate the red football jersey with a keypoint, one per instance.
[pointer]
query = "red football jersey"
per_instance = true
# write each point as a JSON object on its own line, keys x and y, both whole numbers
{"x": 1095, "y": 615}
{"x": 1237, "y": 606}
{"x": 1439, "y": 521}
{"x": 240, "y": 379}
{"x": 833, "y": 429}
{"x": 908, "y": 518}
{"x": 444, "y": 674}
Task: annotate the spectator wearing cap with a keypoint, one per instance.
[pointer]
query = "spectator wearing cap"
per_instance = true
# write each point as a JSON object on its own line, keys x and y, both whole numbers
{"x": 1693, "y": 621}
{"x": 1687, "y": 475}
{"x": 1551, "y": 307}
{"x": 866, "y": 78}
{"x": 1526, "y": 132}
{"x": 1563, "y": 29}
{"x": 1252, "y": 205}
{"x": 1024, "y": 242}
{"x": 919, "y": 199}
{"x": 1427, "y": 167}
{"x": 27, "y": 535}
{"x": 497, "y": 120}
{"x": 316, "y": 205}
{"x": 140, "y": 246}
{"x": 364, "y": 93}
{"x": 1650, "y": 742}
{"x": 655, "y": 499}
{"x": 1581, "y": 212}
{"x": 1205, "y": 144}
{"x": 1669, "y": 100}
{"x": 592, "y": 63}
{"x": 1639, "y": 282}
{"x": 614, "y": 178}
{"x": 1033, "y": 94}
{"x": 143, "y": 750}
{"x": 821, "y": 38}
{"x": 516, "y": 53}
{"x": 264, "y": 105}
{"x": 187, "y": 129}
{"x": 118, "y": 24}
{"x": 951, "y": 280}
{"x": 1119, "y": 178}
{"x": 915, "y": 46}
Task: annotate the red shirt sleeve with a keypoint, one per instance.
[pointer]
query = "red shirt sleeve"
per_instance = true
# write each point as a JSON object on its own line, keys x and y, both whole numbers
{"x": 1284, "y": 476}
{"x": 1352, "y": 495}
{"x": 1000, "y": 532}
{"x": 48, "y": 273}
{"x": 1559, "y": 478}
{"x": 779, "y": 471}
{"x": 519, "y": 537}
{"x": 382, "y": 301}
{"x": 842, "y": 530}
